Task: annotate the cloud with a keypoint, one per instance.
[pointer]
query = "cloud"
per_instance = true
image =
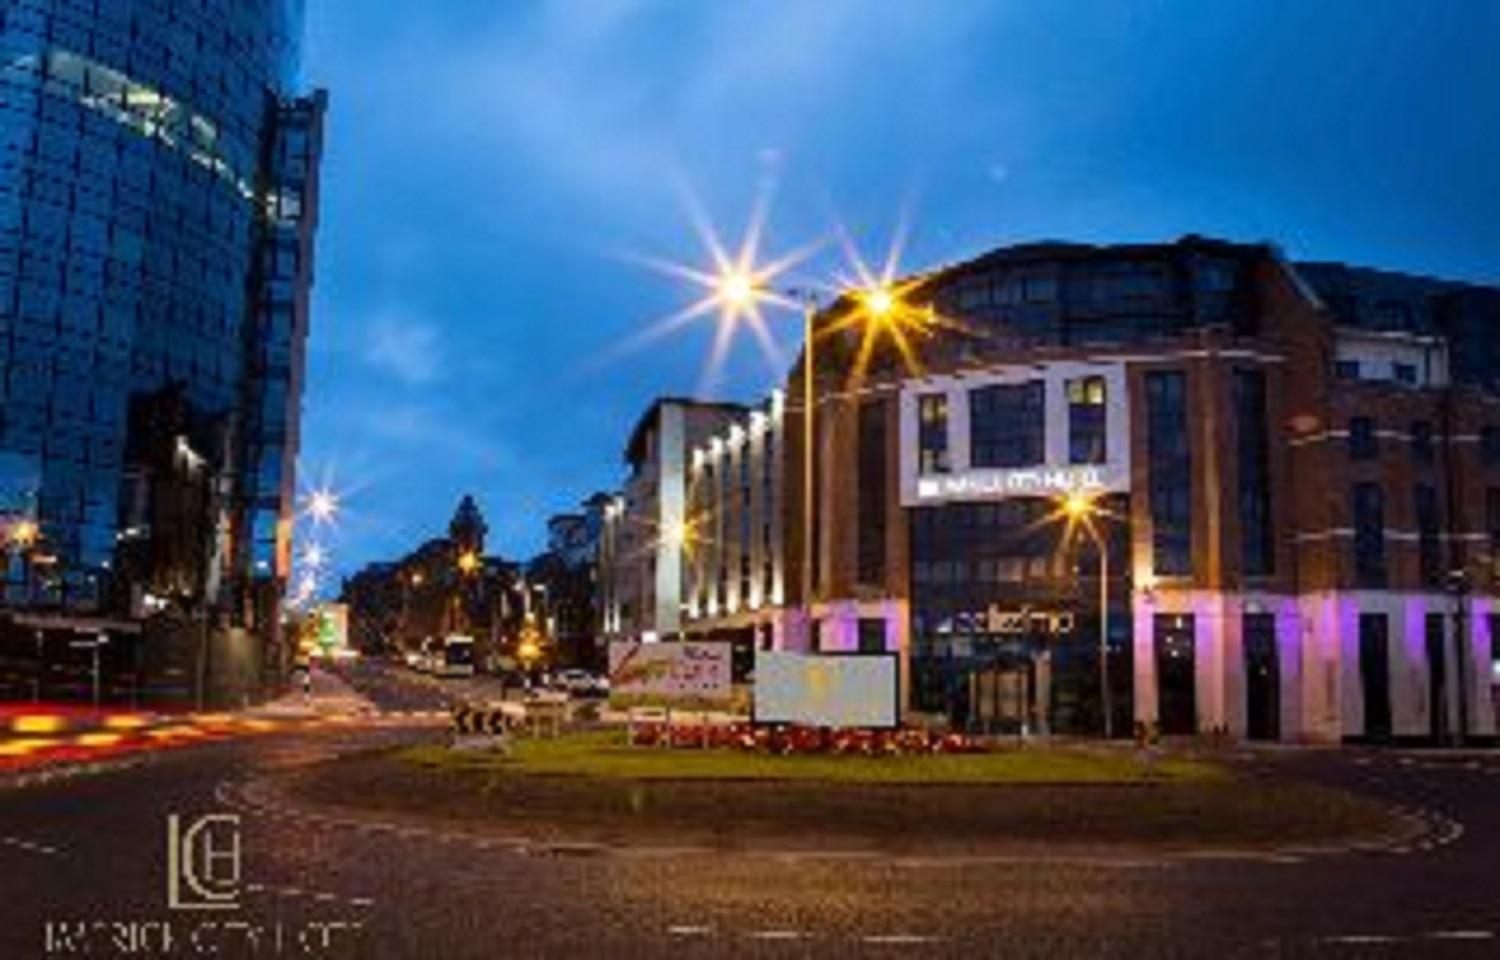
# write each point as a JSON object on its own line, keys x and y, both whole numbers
{"x": 406, "y": 349}
{"x": 429, "y": 431}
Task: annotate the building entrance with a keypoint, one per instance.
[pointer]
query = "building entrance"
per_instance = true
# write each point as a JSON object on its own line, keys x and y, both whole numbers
{"x": 1437, "y": 678}
{"x": 1176, "y": 674}
{"x": 1262, "y": 678}
{"x": 1375, "y": 674}
{"x": 1004, "y": 697}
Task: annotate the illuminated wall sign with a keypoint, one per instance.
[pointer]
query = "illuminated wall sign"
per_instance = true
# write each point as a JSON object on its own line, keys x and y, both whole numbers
{"x": 1018, "y": 622}
{"x": 986, "y": 484}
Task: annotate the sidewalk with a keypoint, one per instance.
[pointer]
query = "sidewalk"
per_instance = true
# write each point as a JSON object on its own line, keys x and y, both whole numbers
{"x": 331, "y": 695}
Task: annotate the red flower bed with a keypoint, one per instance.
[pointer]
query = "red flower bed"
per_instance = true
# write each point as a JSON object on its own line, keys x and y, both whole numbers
{"x": 787, "y": 740}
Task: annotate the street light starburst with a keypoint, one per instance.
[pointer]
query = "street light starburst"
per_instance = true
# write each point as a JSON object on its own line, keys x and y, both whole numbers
{"x": 882, "y": 306}
{"x": 322, "y": 505}
{"x": 736, "y": 286}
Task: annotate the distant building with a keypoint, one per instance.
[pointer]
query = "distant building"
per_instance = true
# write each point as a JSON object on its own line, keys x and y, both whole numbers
{"x": 642, "y": 567}
{"x": 447, "y": 585}
{"x": 735, "y": 560}
{"x": 565, "y": 580}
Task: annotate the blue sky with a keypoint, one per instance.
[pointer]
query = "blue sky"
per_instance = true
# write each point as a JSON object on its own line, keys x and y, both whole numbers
{"x": 493, "y": 166}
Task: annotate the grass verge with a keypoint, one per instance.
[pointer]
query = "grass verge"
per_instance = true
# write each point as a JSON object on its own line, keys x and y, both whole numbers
{"x": 592, "y": 788}
{"x": 605, "y": 754}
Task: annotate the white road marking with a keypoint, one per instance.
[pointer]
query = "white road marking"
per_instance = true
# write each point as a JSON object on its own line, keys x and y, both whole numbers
{"x": 689, "y": 930}
{"x": 30, "y": 846}
{"x": 898, "y": 938}
{"x": 1359, "y": 938}
{"x": 1462, "y": 935}
{"x": 775, "y": 935}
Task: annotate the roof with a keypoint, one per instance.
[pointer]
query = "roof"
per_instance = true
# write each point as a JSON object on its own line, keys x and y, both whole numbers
{"x": 635, "y": 449}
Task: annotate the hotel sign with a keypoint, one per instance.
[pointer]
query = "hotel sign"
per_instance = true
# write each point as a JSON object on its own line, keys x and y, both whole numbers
{"x": 1024, "y": 482}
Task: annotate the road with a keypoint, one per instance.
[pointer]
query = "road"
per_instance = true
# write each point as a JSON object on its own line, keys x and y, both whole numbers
{"x": 92, "y": 851}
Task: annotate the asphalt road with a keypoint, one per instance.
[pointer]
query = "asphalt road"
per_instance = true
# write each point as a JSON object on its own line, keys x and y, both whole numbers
{"x": 83, "y": 872}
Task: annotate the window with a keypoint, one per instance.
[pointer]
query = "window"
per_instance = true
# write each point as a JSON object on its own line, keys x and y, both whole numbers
{"x": 1346, "y": 369}
{"x": 1169, "y": 459}
{"x": 1086, "y": 420}
{"x": 1489, "y": 446}
{"x": 1404, "y": 373}
{"x": 1421, "y": 441}
{"x": 1040, "y": 289}
{"x": 1428, "y": 551}
{"x": 1257, "y": 553}
{"x": 1393, "y": 315}
{"x": 1363, "y": 444}
{"x": 1492, "y": 522}
{"x": 932, "y": 433}
{"x": 871, "y": 635}
{"x": 1007, "y": 425}
{"x": 1369, "y": 535}
{"x": 871, "y": 493}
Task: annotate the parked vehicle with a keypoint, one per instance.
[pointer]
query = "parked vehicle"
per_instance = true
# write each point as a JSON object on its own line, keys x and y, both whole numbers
{"x": 455, "y": 657}
{"x": 580, "y": 683}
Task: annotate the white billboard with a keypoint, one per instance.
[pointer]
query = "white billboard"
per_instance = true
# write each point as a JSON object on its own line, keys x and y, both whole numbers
{"x": 823, "y": 690}
{"x": 687, "y": 675}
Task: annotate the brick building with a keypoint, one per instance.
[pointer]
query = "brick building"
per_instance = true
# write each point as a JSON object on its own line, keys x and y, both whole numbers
{"x": 1297, "y": 468}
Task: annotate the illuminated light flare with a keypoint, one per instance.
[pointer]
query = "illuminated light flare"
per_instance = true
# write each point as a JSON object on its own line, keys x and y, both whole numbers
{"x": 882, "y": 307}
{"x": 98, "y": 739}
{"x": 23, "y": 746}
{"x": 735, "y": 286}
{"x": 124, "y": 721}
{"x": 39, "y": 723}
{"x": 24, "y": 533}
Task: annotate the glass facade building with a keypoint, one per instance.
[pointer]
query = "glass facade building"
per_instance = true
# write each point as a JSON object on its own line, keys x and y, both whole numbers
{"x": 158, "y": 197}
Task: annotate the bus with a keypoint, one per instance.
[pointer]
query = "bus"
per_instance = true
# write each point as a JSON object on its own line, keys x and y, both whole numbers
{"x": 456, "y": 658}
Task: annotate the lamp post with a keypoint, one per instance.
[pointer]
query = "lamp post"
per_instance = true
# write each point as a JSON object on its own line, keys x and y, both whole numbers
{"x": 1083, "y": 510}
{"x": 737, "y": 286}
{"x": 809, "y": 472}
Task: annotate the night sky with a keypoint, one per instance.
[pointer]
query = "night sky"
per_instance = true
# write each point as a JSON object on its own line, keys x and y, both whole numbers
{"x": 494, "y": 169}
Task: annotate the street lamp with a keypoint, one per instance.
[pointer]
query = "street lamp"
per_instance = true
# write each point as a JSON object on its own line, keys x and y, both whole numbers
{"x": 24, "y": 533}
{"x": 1082, "y": 510}
{"x": 468, "y": 562}
{"x": 738, "y": 284}
{"x": 322, "y": 505}
{"x": 314, "y": 557}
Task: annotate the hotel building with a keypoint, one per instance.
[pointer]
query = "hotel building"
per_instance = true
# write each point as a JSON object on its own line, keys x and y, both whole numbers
{"x": 1295, "y": 470}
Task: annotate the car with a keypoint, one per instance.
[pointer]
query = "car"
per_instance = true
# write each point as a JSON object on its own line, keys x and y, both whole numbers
{"x": 580, "y": 683}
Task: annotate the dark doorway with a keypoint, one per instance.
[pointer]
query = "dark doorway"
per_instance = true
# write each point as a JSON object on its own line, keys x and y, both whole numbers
{"x": 1375, "y": 674}
{"x": 1437, "y": 678}
{"x": 1262, "y": 678}
{"x": 1176, "y": 682}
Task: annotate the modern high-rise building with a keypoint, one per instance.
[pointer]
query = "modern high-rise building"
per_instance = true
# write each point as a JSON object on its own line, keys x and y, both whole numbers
{"x": 158, "y": 203}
